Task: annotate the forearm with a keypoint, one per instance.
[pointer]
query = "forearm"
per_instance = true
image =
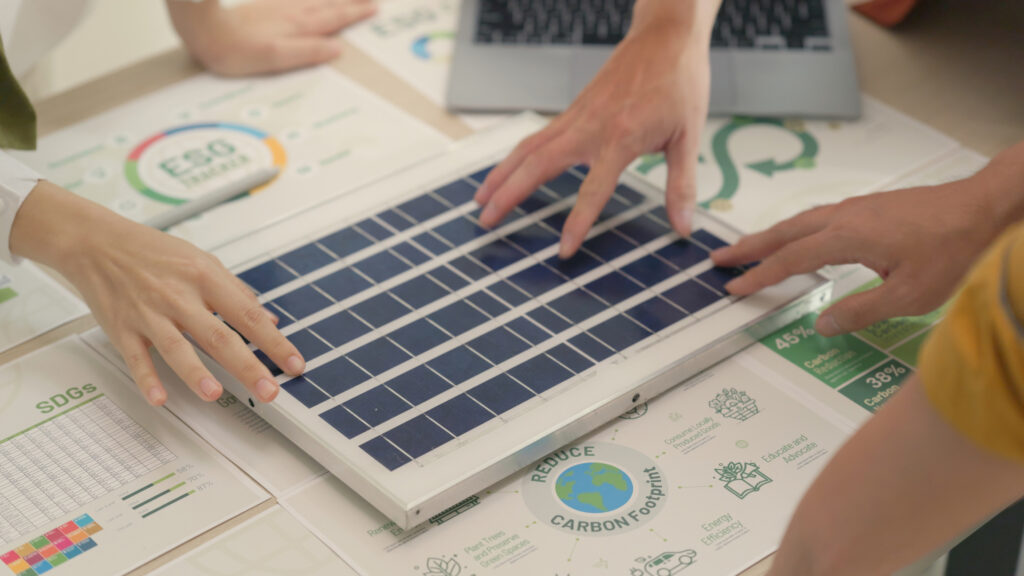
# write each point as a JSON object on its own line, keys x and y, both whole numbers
{"x": 1001, "y": 185}
{"x": 904, "y": 485}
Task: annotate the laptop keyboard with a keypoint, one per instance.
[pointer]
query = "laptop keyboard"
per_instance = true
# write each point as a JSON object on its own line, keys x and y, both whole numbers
{"x": 756, "y": 24}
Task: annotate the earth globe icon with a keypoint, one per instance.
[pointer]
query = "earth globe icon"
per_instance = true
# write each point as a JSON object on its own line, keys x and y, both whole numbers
{"x": 594, "y": 487}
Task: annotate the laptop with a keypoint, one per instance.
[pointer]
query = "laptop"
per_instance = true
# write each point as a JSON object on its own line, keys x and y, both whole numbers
{"x": 768, "y": 57}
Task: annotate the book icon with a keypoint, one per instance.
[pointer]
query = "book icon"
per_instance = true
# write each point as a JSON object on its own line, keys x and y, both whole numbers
{"x": 742, "y": 479}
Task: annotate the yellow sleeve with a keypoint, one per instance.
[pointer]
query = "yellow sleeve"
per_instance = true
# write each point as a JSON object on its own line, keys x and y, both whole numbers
{"x": 972, "y": 366}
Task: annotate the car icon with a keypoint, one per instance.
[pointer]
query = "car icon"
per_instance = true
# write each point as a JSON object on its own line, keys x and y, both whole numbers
{"x": 669, "y": 563}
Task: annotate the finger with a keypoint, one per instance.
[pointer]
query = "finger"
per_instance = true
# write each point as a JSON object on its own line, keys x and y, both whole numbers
{"x": 140, "y": 365}
{"x": 221, "y": 343}
{"x": 863, "y": 309}
{"x": 545, "y": 163}
{"x": 183, "y": 360}
{"x": 763, "y": 244}
{"x": 805, "y": 255}
{"x": 681, "y": 188}
{"x": 332, "y": 18}
{"x": 497, "y": 177}
{"x": 594, "y": 194}
{"x": 288, "y": 53}
{"x": 243, "y": 311}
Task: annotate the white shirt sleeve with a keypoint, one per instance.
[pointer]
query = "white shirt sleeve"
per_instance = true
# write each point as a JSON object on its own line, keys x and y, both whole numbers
{"x": 16, "y": 181}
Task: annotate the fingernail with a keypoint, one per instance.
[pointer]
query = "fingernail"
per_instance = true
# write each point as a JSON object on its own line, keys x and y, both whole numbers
{"x": 266, "y": 390}
{"x": 567, "y": 247}
{"x": 295, "y": 365}
{"x": 155, "y": 396}
{"x": 273, "y": 317}
{"x": 683, "y": 219}
{"x": 209, "y": 388}
{"x": 827, "y": 326}
{"x": 488, "y": 214}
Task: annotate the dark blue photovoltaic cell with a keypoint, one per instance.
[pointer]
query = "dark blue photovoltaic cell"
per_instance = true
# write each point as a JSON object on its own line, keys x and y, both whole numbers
{"x": 509, "y": 293}
{"x": 608, "y": 245}
{"x": 614, "y": 287}
{"x": 411, "y": 253}
{"x": 418, "y": 385}
{"x": 418, "y": 336}
{"x": 377, "y": 405}
{"x": 469, "y": 268}
{"x": 395, "y": 220}
{"x": 501, "y": 393}
{"x": 536, "y": 201}
{"x": 656, "y": 314}
{"x": 343, "y": 283}
{"x": 309, "y": 345}
{"x": 649, "y": 270}
{"x": 460, "y": 414}
{"x": 497, "y": 255}
{"x": 337, "y": 376}
{"x": 557, "y": 220}
{"x": 422, "y": 208}
{"x": 378, "y": 356}
{"x": 306, "y": 259}
{"x": 418, "y": 436}
{"x": 570, "y": 358}
{"x": 343, "y": 421}
{"x": 459, "y": 364}
{"x": 266, "y": 361}
{"x": 340, "y": 328}
{"x": 498, "y": 345}
{"x": 420, "y": 291}
{"x": 565, "y": 184}
{"x": 642, "y": 229}
{"x": 380, "y": 309}
{"x": 548, "y": 319}
{"x": 457, "y": 193}
{"x": 577, "y": 306}
{"x": 374, "y": 229}
{"x": 302, "y": 302}
{"x": 345, "y": 242}
{"x": 432, "y": 243}
{"x": 480, "y": 176}
{"x": 708, "y": 239}
{"x": 282, "y": 319}
{"x": 448, "y": 277}
{"x": 303, "y": 391}
{"x": 540, "y": 373}
{"x": 619, "y": 332}
{"x": 682, "y": 253}
{"x": 528, "y": 330}
{"x": 629, "y": 195}
{"x": 384, "y": 452}
{"x": 591, "y": 347}
{"x": 489, "y": 304}
{"x": 578, "y": 265}
{"x": 583, "y": 169}
{"x": 533, "y": 238}
{"x": 612, "y": 208}
{"x": 660, "y": 213}
{"x": 458, "y": 317}
{"x": 381, "y": 266}
{"x": 459, "y": 231}
{"x": 267, "y": 276}
{"x": 691, "y": 296}
{"x": 536, "y": 279}
{"x": 717, "y": 278}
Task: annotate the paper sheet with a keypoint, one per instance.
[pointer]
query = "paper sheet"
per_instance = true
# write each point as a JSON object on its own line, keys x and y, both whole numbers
{"x": 325, "y": 134}
{"x": 92, "y": 476}
{"x": 32, "y": 303}
{"x": 231, "y": 427}
{"x": 701, "y": 481}
{"x": 271, "y": 544}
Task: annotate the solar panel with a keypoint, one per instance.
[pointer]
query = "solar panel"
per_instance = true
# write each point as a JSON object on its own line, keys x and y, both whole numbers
{"x": 442, "y": 355}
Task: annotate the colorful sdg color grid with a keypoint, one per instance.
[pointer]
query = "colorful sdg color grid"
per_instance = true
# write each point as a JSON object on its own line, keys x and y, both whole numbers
{"x": 42, "y": 554}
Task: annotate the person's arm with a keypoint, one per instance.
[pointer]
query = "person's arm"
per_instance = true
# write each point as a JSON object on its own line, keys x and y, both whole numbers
{"x": 921, "y": 241}
{"x": 146, "y": 287}
{"x": 651, "y": 95}
{"x": 263, "y": 36}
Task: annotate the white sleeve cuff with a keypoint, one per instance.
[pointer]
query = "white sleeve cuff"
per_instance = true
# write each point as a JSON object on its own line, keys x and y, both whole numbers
{"x": 16, "y": 181}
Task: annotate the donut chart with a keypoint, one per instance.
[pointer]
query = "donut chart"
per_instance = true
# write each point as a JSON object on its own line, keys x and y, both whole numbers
{"x": 425, "y": 47}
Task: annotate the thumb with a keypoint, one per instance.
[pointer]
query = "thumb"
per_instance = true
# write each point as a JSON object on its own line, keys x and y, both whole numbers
{"x": 681, "y": 188}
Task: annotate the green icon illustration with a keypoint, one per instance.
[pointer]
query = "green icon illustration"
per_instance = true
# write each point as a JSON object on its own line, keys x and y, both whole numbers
{"x": 443, "y": 567}
{"x": 742, "y": 444}
{"x": 734, "y": 404}
{"x": 665, "y": 564}
{"x": 635, "y": 412}
{"x": 742, "y": 479}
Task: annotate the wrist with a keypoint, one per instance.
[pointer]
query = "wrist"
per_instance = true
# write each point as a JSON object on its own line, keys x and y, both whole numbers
{"x": 689, "y": 21}
{"x": 1000, "y": 185}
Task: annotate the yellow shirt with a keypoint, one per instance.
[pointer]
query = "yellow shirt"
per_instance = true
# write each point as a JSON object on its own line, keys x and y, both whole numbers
{"x": 972, "y": 367}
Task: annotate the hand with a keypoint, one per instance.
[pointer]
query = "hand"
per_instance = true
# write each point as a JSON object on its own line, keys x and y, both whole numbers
{"x": 145, "y": 288}
{"x": 921, "y": 241}
{"x": 651, "y": 95}
{"x": 264, "y": 36}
